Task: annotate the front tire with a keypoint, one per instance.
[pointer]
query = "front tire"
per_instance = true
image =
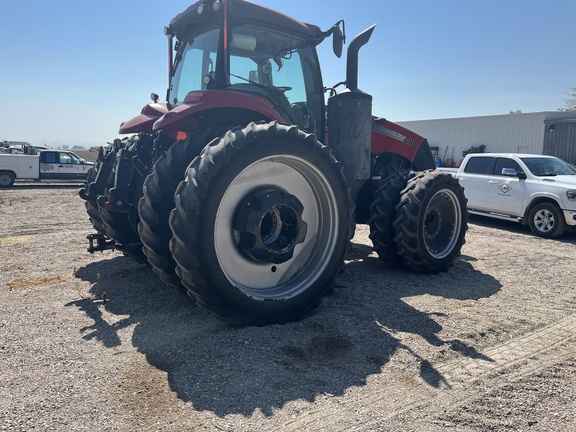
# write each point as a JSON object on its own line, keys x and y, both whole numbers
{"x": 383, "y": 214}
{"x": 261, "y": 224}
{"x": 546, "y": 220}
{"x": 431, "y": 222}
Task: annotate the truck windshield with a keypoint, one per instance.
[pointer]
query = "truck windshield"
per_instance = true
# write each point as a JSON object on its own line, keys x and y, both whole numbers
{"x": 542, "y": 167}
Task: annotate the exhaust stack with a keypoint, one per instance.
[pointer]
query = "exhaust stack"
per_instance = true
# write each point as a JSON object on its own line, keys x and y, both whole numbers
{"x": 350, "y": 120}
{"x": 352, "y": 58}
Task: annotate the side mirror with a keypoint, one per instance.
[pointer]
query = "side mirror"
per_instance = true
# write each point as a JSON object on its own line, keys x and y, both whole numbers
{"x": 338, "y": 39}
{"x": 511, "y": 172}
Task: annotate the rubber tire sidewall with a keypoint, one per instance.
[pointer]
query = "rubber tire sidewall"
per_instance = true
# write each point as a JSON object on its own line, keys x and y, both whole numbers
{"x": 203, "y": 274}
{"x": 410, "y": 220}
{"x": 11, "y": 178}
{"x": 158, "y": 201}
{"x": 383, "y": 214}
{"x": 122, "y": 227}
{"x": 559, "y": 222}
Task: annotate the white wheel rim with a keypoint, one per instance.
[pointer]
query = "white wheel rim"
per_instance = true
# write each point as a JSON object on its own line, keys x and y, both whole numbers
{"x": 441, "y": 236}
{"x": 266, "y": 281}
{"x": 544, "y": 220}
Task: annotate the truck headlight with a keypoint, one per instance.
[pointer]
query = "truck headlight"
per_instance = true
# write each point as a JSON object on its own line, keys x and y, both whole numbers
{"x": 571, "y": 194}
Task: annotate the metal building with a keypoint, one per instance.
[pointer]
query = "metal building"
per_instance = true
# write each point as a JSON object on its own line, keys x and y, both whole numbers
{"x": 548, "y": 132}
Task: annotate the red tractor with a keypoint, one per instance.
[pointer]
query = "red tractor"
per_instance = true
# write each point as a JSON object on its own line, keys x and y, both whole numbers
{"x": 244, "y": 188}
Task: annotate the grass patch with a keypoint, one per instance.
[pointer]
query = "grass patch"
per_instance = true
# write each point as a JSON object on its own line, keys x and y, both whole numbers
{"x": 21, "y": 283}
{"x": 10, "y": 200}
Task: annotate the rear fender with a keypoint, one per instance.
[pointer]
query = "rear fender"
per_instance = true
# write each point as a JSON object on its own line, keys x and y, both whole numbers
{"x": 210, "y": 106}
{"x": 389, "y": 137}
{"x": 144, "y": 122}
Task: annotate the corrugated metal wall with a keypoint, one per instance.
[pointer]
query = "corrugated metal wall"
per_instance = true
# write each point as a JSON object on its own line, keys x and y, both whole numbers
{"x": 560, "y": 139}
{"x": 511, "y": 133}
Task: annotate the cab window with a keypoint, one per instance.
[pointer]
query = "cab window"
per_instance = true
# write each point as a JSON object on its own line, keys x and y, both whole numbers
{"x": 69, "y": 158}
{"x": 278, "y": 67}
{"x": 502, "y": 163}
{"x": 478, "y": 165}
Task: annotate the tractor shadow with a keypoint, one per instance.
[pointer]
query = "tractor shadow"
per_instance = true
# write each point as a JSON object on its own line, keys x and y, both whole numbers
{"x": 226, "y": 370}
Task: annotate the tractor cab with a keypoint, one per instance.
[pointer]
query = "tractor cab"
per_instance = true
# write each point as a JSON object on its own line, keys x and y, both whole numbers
{"x": 237, "y": 62}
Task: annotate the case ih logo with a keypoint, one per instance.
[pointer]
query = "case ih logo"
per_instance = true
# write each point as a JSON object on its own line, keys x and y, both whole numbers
{"x": 505, "y": 188}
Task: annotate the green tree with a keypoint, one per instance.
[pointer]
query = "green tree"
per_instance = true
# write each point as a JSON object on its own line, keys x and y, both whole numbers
{"x": 570, "y": 103}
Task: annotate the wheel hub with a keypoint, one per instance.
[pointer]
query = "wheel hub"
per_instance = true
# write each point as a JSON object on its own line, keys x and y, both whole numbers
{"x": 544, "y": 221}
{"x": 441, "y": 224}
{"x": 269, "y": 225}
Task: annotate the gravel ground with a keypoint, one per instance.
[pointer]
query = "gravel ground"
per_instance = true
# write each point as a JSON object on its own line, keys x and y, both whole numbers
{"x": 96, "y": 342}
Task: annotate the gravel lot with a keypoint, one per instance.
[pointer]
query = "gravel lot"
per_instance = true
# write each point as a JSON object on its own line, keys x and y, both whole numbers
{"x": 489, "y": 345}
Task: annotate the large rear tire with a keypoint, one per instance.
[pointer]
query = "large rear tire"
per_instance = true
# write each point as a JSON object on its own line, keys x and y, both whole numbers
{"x": 158, "y": 201}
{"x": 97, "y": 180}
{"x": 122, "y": 226}
{"x": 261, "y": 224}
{"x": 431, "y": 222}
{"x": 90, "y": 204}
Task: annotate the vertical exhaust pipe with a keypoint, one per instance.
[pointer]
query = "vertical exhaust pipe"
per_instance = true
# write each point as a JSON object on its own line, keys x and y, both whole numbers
{"x": 352, "y": 58}
{"x": 350, "y": 121}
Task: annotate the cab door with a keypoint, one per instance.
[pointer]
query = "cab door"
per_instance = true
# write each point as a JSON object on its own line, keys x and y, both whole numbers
{"x": 473, "y": 180}
{"x": 49, "y": 161}
{"x": 71, "y": 167}
{"x": 505, "y": 193}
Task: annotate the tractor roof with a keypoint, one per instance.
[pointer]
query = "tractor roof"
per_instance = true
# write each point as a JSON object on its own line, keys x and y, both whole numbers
{"x": 245, "y": 12}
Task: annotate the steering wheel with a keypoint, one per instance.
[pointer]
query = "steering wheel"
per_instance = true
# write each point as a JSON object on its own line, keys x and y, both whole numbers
{"x": 283, "y": 89}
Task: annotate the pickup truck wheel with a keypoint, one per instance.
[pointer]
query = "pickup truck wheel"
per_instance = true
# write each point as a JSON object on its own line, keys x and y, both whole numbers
{"x": 431, "y": 222}
{"x": 6, "y": 179}
{"x": 158, "y": 201}
{"x": 546, "y": 220}
{"x": 383, "y": 214}
{"x": 261, "y": 224}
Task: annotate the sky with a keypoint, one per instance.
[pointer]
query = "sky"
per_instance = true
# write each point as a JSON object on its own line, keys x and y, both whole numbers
{"x": 72, "y": 70}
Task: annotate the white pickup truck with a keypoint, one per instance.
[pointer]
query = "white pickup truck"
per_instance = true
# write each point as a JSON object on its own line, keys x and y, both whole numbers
{"x": 531, "y": 189}
{"x": 46, "y": 165}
